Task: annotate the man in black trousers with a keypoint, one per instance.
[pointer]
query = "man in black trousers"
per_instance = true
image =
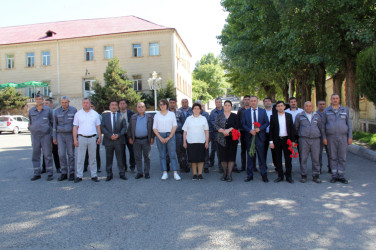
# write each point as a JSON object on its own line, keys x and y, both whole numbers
{"x": 281, "y": 130}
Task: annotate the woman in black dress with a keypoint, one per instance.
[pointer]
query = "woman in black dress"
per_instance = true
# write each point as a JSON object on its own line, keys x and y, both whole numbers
{"x": 224, "y": 124}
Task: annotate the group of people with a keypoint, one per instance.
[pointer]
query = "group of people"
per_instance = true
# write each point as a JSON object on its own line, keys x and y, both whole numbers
{"x": 183, "y": 137}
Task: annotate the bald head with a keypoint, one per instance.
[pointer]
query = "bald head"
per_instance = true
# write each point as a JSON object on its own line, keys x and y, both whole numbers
{"x": 308, "y": 107}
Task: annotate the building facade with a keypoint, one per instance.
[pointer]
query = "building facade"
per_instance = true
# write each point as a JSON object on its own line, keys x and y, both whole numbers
{"x": 70, "y": 55}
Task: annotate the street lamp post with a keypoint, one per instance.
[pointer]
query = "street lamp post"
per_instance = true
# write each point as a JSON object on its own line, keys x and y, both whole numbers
{"x": 154, "y": 84}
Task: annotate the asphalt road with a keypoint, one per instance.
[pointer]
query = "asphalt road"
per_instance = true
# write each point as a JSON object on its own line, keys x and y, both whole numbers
{"x": 155, "y": 214}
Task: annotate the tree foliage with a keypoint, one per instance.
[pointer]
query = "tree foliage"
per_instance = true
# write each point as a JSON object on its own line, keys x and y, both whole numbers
{"x": 210, "y": 71}
{"x": 11, "y": 99}
{"x": 366, "y": 73}
{"x": 167, "y": 92}
{"x": 116, "y": 87}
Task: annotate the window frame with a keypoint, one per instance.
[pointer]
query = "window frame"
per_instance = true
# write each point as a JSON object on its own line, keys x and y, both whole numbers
{"x": 30, "y": 60}
{"x": 154, "y": 49}
{"x": 10, "y": 59}
{"x": 137, "y": 50}
{"x": 46, "y": 57}
{"x": 90, "y": 53}
{"x": 111, "y": 51}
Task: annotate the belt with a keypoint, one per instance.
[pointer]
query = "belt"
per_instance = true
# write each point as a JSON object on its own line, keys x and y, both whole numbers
{"x": 141, "y": 138}
{"x": 282, "y": 137}
{"x": 87, "y": 136}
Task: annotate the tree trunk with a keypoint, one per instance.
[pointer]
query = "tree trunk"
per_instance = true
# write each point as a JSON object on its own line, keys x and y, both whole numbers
{"x": 285, "y": 90}
{"x": 293, "y": 86}
{"x": 303, "y": 88}
{"x": 338, "y": 79}
{"x": 352, "y": 96}
{"x": 320, "y": 82}
{"x": 269, "y": 90}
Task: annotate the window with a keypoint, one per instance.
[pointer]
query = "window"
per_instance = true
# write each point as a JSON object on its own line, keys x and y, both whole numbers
{"x": 89, "y": 54}
{"x": 45, "y": 58}
{"x": 137, "y": 50}
{"x": 88, "y": 87}
{"x": 10, "y": 61}
{"x": 30, "y": 60}
{"x": 137, "y": 82}
{"x": 108, "y": 52}
{"x": 154, "y": 49}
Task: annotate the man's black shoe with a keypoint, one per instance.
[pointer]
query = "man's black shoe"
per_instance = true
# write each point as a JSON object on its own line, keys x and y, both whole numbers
{"x": 279, "y": 179}
{"x": 71, "y": 177}
{"x": 50, "y": 178}
{"x": 62, "y": 177}
{"x": 99, "y": 171}
{"x": 139, "y": 176}
{"x": 147, "y": 176}
{"x": 316, "y": 179}
{"x": 109, "y": 178}
{"x": 77, "y": 180}
{"x": 303, "y": 179}
{"x": 95, "y": 179}
{"x": 343, "y": 180}
{"x": 248, "y": 178}
{"x": 206, "y": 170}
{"x": 265, "y": 179}
{"x": 333, "y": 180}
{"x": 329, "y": 170}
{"x": 289, "y": 179}
{"x": 35, "y": 177}
{"x": 123, "y": 177}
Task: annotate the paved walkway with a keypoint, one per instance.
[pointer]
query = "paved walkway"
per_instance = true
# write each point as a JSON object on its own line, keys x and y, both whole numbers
{"x": 155, "y": 214}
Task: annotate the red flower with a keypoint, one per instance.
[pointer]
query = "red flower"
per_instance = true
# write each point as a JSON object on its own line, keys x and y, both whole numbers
{"x": 235, "y": 134}
{"x": 289, "y": 143}
{"x": 257, "y": 124}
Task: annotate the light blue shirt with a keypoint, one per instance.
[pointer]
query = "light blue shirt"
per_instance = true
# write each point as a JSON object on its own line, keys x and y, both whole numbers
{"x": 141, "y": 126}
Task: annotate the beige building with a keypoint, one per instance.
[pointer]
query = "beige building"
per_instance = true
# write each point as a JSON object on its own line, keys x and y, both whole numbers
{"x": 70, "y": 55}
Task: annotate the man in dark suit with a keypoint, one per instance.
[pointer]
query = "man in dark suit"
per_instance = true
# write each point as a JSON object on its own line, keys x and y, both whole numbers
{"x": 249, "y": 117}
{"x": 126, "y": 115}
{"x": 113, "y": 128}
{"x": 281, "y": 129}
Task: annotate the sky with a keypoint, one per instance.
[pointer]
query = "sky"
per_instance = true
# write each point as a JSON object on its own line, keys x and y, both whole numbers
{"x": 197, "y": 21}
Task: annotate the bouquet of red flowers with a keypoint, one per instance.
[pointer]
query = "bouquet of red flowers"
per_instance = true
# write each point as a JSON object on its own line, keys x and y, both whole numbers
{"x": 252, "y": 150}
{"x": 235, "y": 134}
{"x": 293, "y": 153}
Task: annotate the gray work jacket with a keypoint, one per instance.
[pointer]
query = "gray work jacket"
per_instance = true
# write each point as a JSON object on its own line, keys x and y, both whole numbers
{"x": 63, "y": 120}
{"x": 306, "y": 128}
{"x": 336, "y": 123}
{"x": 40, "y": 121}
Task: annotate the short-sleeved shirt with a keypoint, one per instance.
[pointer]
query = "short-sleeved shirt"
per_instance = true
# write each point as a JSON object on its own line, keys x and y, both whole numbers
{"x": 86, "y": 122}
{"x": 164, "y": 123}
{"x": 195, "y": 128}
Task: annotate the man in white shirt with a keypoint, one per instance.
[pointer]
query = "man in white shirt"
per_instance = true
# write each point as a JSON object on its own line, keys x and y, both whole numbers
{"x": 86, "y": 128}
{"x": 293, "y": 110}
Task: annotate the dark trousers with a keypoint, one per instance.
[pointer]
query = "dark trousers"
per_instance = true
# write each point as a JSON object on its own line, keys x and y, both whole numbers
{"x": 98, "y": 156}
{"x": 252, "y": 160}
{"x": 266, "y": 147}
{"x": 110, "y": 150}
{"x": 142, "y": 148}
{"x": 243, "y": 146}
{"x": 280, "y": 145}
{"x": 55, "y": 154}
{"x": 132, "y": 162}
{"x": 213, "y": 149}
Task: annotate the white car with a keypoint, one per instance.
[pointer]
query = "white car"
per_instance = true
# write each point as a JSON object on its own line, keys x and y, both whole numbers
{"x": 13, "y": 123}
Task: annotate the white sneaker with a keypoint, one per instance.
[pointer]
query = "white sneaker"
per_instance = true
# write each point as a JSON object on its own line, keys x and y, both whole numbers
{"x": 164, "y": 176}
{"x": 177, "y": 177}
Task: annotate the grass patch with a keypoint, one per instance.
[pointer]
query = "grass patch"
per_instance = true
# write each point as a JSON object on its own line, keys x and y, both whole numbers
{"x": 368, "y": 138}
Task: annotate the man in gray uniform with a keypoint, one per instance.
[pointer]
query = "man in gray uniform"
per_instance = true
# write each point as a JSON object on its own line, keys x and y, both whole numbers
{"x": 337, "y": 135}
{"x": 308, "y": 126}
{"x": 321, "y": 105}
{"x": 40, "y": 119}
{"x": 63, "y": 137}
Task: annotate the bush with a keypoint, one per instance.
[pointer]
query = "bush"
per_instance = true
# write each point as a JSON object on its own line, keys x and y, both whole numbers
{"x": 368, "y": 138}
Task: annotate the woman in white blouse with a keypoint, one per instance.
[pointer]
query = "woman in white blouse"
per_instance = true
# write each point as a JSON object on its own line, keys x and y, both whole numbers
{"x": 196, "y": 140}
{"x": 164, "y": 127}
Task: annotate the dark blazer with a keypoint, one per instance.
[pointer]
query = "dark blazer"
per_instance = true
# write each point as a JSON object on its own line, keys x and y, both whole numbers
{"x": 106, "y": 128}
{"x": 247, "y": 121}
{"x": 274, "y": 127}
{"x": 132, "y": 127}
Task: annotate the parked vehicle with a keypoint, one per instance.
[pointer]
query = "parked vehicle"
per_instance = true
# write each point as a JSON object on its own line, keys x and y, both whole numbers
{"x": 13, "y": 123}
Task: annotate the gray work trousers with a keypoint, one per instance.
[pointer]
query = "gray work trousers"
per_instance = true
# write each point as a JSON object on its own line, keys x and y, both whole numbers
{"x": 42, "y": 143}
{"x": 91, "y": 145}
{"x": 337, "y": 147}
{"x": 308, "y": 147}
{"x": 66, "y": 147}
{"x": 141, "y": 147}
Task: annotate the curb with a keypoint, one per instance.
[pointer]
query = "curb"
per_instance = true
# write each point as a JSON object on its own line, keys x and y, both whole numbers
{"x": 363, "y": 152}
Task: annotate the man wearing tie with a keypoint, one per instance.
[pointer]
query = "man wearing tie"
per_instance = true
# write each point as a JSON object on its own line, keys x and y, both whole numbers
{"x": 250, "y": 116}
{"x": 281, "y": 129}
{"x": 114, "y": 128}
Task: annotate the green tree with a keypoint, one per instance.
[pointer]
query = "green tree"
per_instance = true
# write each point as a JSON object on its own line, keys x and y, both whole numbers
{"x": 200, "y": 91}
{"x": 167, "y": 92}
{"x": 366, "y": 73}
{"x": 11, "y": 99}
{"x": 210, "y": 70}
{"x": 117, "y": 86}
